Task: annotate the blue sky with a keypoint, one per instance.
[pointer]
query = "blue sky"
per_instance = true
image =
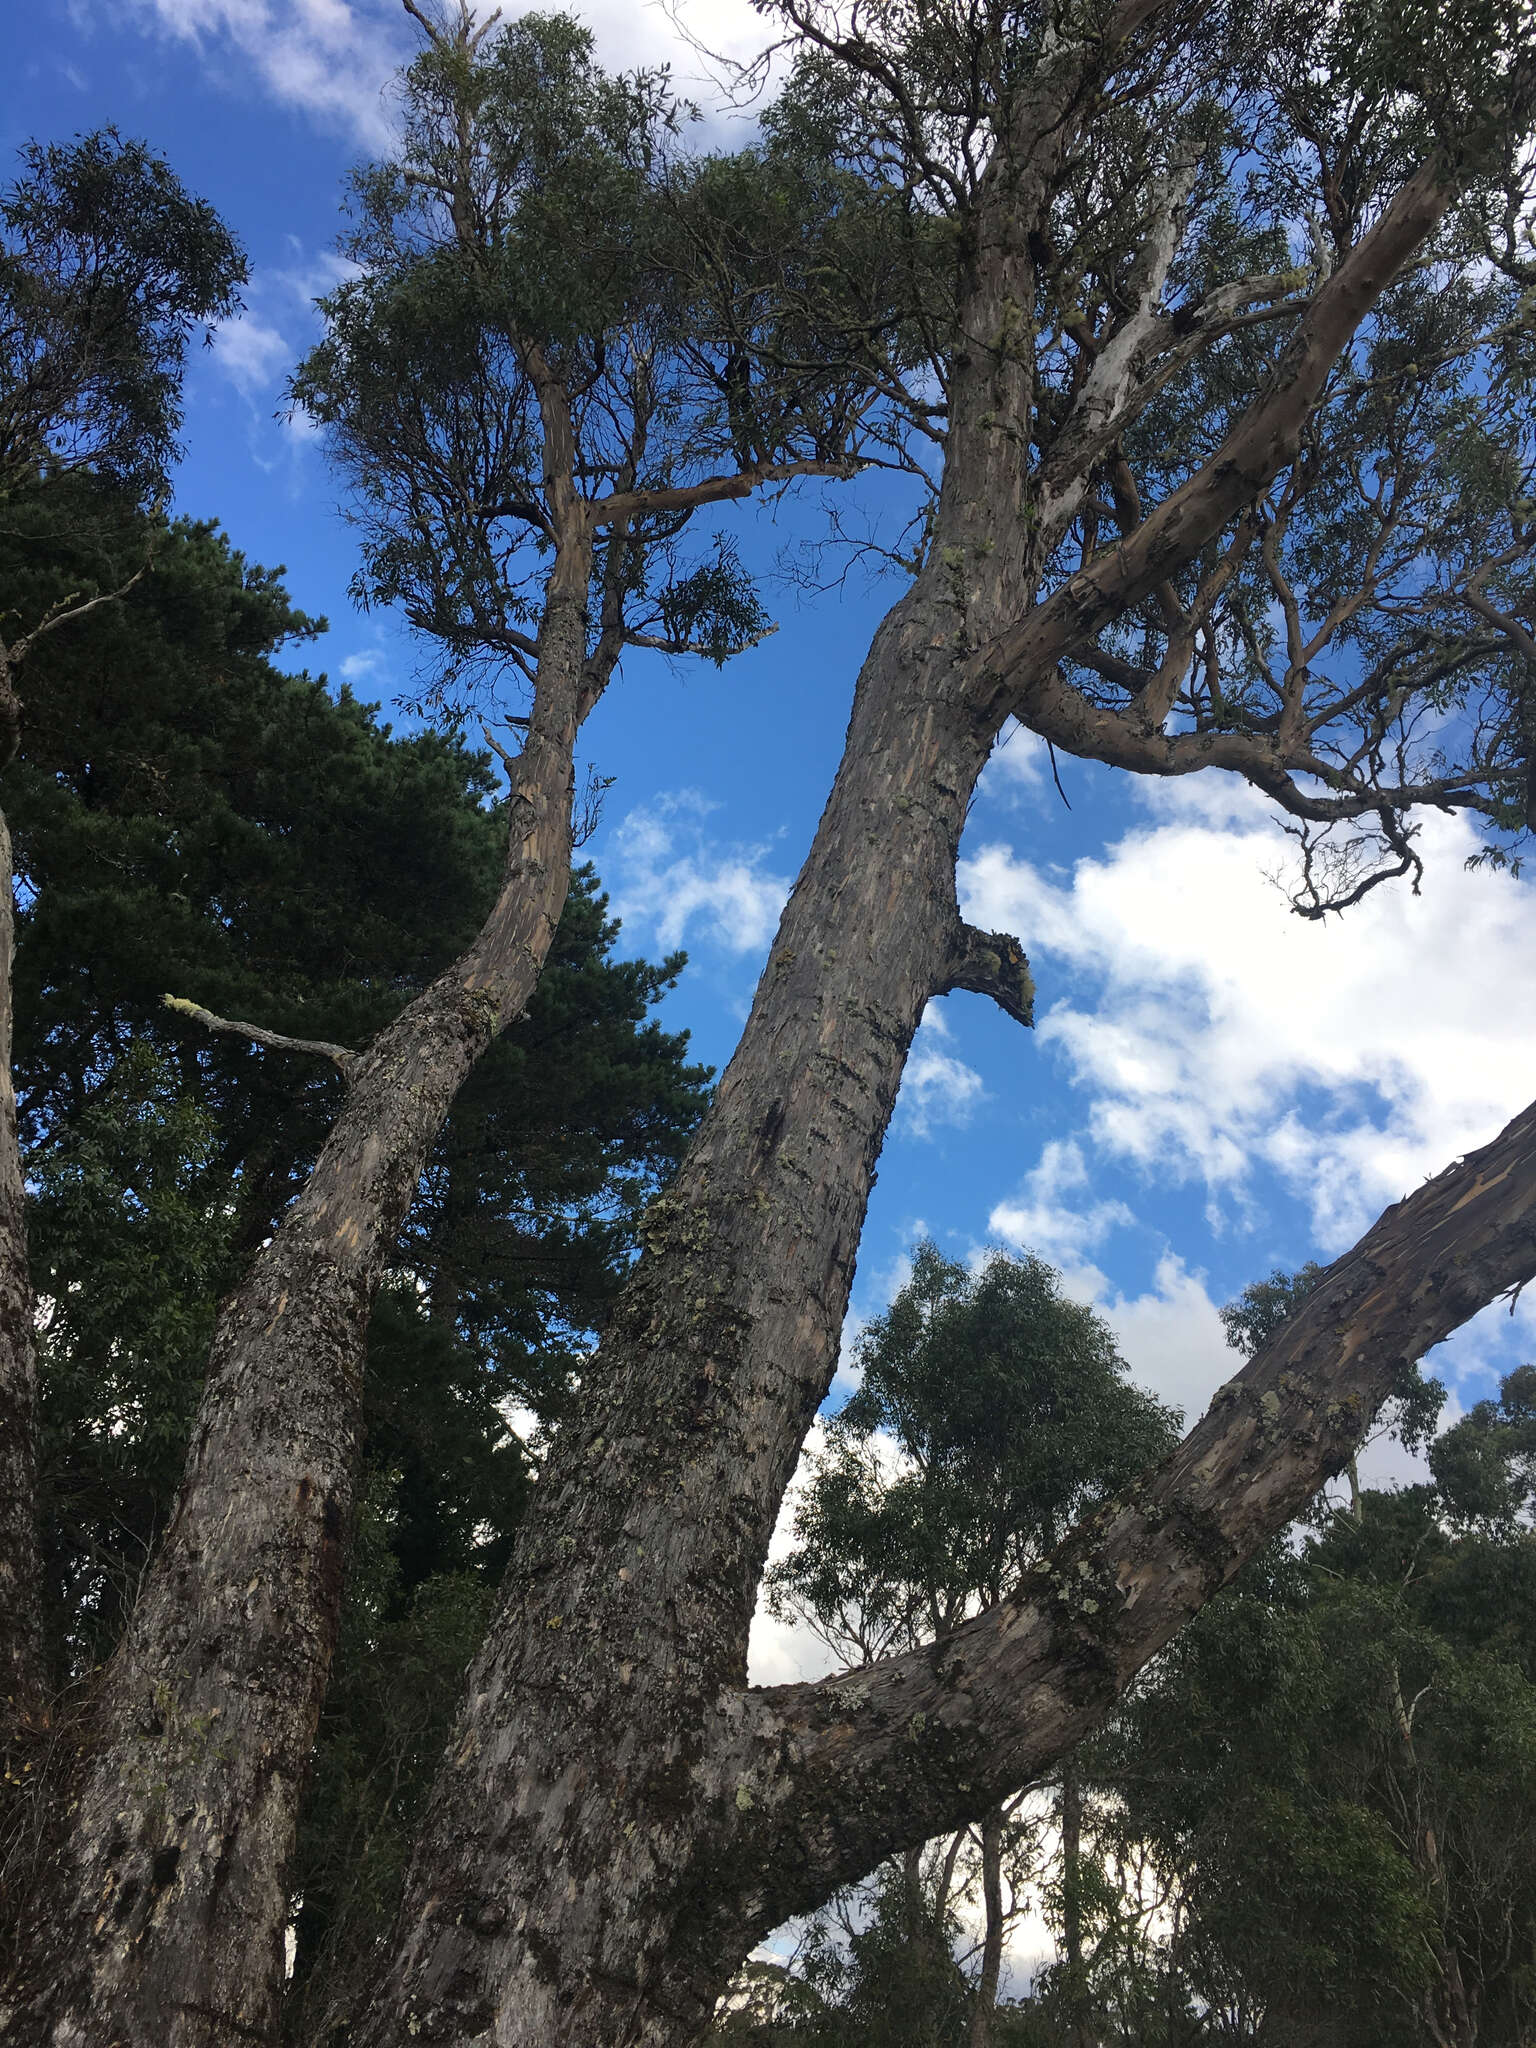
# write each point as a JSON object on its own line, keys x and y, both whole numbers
{"x": 1214, "y": 1088}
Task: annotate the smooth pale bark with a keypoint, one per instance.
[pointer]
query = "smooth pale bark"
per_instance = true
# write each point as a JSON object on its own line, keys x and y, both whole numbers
{"x": 618, "y": 1820}
{"x": 162, "y": 1924}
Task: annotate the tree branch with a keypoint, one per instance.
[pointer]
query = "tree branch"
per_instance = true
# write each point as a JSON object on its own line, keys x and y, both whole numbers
{"x": 1012, "y": 669}
{"x": 341, "y": 1055}
{"x": 991, "y": 964}
{"x": 835, "y": 1775}
{"x": 710, "y": 490}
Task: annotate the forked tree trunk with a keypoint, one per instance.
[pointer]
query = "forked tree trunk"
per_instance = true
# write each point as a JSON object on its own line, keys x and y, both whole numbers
{"x": 162, "y": 1923}
{"x": 580, "y": 1813}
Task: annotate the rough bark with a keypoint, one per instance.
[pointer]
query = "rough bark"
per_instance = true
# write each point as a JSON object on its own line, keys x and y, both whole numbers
{"x": 23, "y": 1684}
{"x": 163, "y": 1921}
{"x": 605, "y": 1840}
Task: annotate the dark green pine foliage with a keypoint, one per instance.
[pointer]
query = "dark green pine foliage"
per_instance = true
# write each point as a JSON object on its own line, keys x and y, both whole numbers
{"x": 191, "y": 819}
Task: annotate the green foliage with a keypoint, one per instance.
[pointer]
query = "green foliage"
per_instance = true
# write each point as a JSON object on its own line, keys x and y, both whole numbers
{"x": 129, "y": 1244}
{"x": 189, "y": 817}
{"x": 991, "y": 1413}
{"x": 107, "y": 268}
{"x": 538, "y": 259}
{"x": 1334, "y": 1771}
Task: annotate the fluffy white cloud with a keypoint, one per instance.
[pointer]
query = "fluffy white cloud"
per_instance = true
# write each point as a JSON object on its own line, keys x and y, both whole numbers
{"x": 325, "y": 58}
{"x": 251, "y": 353}
{"x": 936, "y": 1087}
{"x": 335, "y": 60}
{"x": 669, "y": 878}
{"x": 1212, "y": 1031}
{"x": 1041, "y": 1218}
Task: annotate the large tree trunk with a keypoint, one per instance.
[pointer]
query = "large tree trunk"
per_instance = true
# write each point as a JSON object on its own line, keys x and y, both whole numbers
{"x": 618, "y": 1819}
{"x": 625, "y": 1619}
{"x": 162, "y": 1924}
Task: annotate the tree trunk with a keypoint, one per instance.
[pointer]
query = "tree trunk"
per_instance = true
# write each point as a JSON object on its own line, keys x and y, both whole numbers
{"x": 625, "y": 1619}
{"x": 23, "y": 1682}
{"x": 1079, "y": 2025}
{"x": 162, "y": 1924}
{"x": 985, "y": 2007}
{"x": 1448, "y": 2010}
{"x": 617, "y": 1819}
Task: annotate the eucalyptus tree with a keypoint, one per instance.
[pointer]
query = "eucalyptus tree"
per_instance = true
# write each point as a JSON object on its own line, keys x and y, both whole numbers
{"x": 1217, "y": 488}
{"x": 991, "y": 1414}
{"x": 1220, "y": 489}
{"x": 560, "y": 343}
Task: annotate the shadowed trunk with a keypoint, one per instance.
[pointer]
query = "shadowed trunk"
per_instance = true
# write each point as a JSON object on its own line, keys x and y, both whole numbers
{"x": 162, "y": 1923}
{"x": 984, "y": 2011}
{"x": 23, "y": 1682}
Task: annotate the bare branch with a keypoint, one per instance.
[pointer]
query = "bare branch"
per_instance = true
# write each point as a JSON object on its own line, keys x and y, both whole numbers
{"x": 340, "y": 1055}
{"x": 710, "y": 490}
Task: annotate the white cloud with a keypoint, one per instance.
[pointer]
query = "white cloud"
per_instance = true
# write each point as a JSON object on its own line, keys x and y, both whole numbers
{"x": 1221, "y": 1032}
{"x": 936, "y": 1087}
{"x": 334, "y": 60}
{"x": 786, "y": 1652}
{"x": 251, "y": 354}
{"x": 324, "y": 58}
{"x": 668, "y": 877}
{"x": 1039, "y": 1219}
{"x": 1020, "y": 764}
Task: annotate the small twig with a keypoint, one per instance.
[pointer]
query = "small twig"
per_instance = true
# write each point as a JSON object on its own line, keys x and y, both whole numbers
{"x": 341, "y": 1055}
{"x": 1056, "y": 776}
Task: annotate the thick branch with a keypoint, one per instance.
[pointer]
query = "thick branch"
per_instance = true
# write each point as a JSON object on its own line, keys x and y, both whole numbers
{"x": 1012, "y": 670}
{"x": 709, "y": 490}
{"x": 279, "y": 1041}
{"x": 991, "y": 964}
{"x": 841, "y": 1773}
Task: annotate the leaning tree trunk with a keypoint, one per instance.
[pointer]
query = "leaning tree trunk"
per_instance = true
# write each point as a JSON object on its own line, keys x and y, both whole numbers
{"x": 162, "y": 1923}
{"x": 544, "y": 1910}
{"x": 618, "y": 1818}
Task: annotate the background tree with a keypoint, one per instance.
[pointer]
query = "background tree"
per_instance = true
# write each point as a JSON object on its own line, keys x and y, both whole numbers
{"x": 991, "y": 1414}
{"x": 107, "y": 268}
{"x": 186, "y": 811}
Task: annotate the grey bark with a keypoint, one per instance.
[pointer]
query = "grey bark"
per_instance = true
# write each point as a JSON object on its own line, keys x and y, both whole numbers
{"x": 984, "y": 2009}
{"x": 618, "y": 1818}
{"x": 162, "y": 1920}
